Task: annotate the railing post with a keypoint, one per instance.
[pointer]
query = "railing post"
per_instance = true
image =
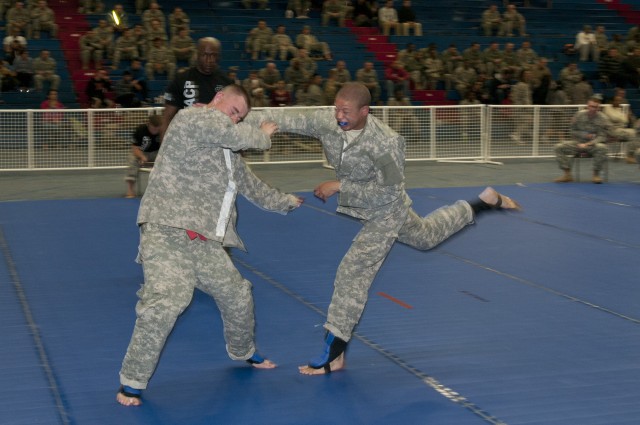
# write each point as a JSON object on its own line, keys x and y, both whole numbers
{"x": 30, "y": 141}
{"x": 91, "y": 139}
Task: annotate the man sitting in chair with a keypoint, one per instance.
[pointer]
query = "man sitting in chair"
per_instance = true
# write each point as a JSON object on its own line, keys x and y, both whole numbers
{"x": 589, "y": 130}
{"x": 144, "y": 149}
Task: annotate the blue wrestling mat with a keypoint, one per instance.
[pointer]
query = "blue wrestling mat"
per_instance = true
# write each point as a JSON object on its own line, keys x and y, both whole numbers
{"x": 522, "y": 318}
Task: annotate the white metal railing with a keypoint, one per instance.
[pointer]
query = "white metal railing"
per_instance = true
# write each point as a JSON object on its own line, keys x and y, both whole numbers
{"x": 35, "y": 139}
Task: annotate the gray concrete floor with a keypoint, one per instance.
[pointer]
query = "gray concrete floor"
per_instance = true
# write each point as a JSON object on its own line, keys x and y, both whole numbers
{"x": 32, "y": 185}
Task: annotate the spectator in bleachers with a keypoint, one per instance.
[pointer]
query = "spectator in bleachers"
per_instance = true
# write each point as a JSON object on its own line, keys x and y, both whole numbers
{"x": 270, "y": 75}
{"x": 368, "y": 76}
{"x": 8, "y": 77}
{"x": 178, "y": 19}
{"x": 53, "y": 124}
{"x": 586, "y": 44}
{"x": 314, "y": 92}
{"x": 631, "y": 67}
{"x": 99, "y": 90}
{"x": 511, "y": 20}
{"x": 407, "y": 53}
{"x": 306, "y": 40}
{"x": 492, "y": 58}
{"x": 433, "y": 70}
{"x": 43, "y": 19}
{"x": 183, "y": 47}
{"x": 25, "y": 70}
{"x": 259, "y": 40}
{"x": 126, "y": 90}
{"x": 126, "y": 48}
{"x": 45, "y": 70}
{"x": 141, "y": 6}
{"x": 463, "y": 78}
{"x": 301, "y": 8}
{"x": 633, "y": 37}
{"x": 333, "y": 9}
{"x": 396, "y": 77}
{"x": 155, "y": 30}
{"x": 253, "y": 82}
{"x": 306, "y": 62}
{"x": 330, "y": 87}
{"x": 91, "y": 48}
{"x": 140, "y": 35}
{"x": 474, "y": 57}
{"x": 153, "y": 13}
{"x": 342, "y": 73}
{"x": 589, "y": 130}
{"x": 402, "y": 120}
{"x": 4, "y": 7}
{"x": 281, "y": 45}
{"x": 451, "y": 58}
{"x": 262, "y": 4}
{"x": 145, "y": 145}
{"x": 388, "y": 18}
{"x": 160, "y": 60}
{"x": 362, "y": 15}
{"x": 91, "y": 6}
{"x": 602, "y": 42}
{"x": 295, "y": 76}
{"x": 492, "y": 21}
{"x": 500, "y": 86}
{"x": 12, "y": 45}
{"x": 618, "y": 43}
{"x": 105, "y": 34}
{"x": 581, "y": 92}
{"x": 554, "y": 120}
{"x": 610, "y": 68}
{"x": 569, "y": 76}
{"x": 527, "y": 57}
{"x": 408, "y": 20}
{"x": 540, "y": 81}
{"x": 19, "y": 19}
{"x": 280, "y": 96}
{"x": 118, "y": 19}
{"x": 623, "y": 126}
{"x": 510, "y": 58}
{"x": 414, "y": 65}
{"x": 139, "y": 80}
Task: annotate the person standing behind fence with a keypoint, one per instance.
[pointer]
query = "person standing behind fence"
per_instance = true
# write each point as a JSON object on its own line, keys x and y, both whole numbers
{"x": 144, "y": 149}
{"x": 198, "y": 84}
{"x": 589, "y": 130}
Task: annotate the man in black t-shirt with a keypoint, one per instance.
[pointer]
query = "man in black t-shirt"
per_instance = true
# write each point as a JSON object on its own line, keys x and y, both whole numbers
{"x": 198, "y": 84}
{"x": 144, "y": 149}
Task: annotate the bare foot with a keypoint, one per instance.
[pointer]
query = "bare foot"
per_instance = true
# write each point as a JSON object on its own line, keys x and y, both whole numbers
{"x": 128, "y": 401}
{"x": 497, "y": 200}
{"x": 266, "y": 364}
{"x": 334, "y": 366}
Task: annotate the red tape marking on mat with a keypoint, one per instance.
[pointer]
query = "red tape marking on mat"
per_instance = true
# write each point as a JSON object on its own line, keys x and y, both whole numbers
{"x": 395, "y": 300}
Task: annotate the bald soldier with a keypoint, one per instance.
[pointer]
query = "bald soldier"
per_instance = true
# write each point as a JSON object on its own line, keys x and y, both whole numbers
{"x": 368, "y": 158}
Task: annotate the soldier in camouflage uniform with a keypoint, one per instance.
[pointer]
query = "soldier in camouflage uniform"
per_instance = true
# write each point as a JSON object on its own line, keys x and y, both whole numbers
{"x": 160, "y": 60}
{"x": 178, "y": 19}
{"x": 45, "y": 70}
{"x": 183, "y": 47}
{"x": 368, "y": 76}
{"x": 105, "y": 34}
{"x": 43, "y": 19}
{"x": 187, "y": 216}
{"x": 368, "y": 157}
{"x": 90, "y": 47}
{"x": 259, "y": 40}
{"x": 589, "y": 129}
{"x": 126, "y": 48}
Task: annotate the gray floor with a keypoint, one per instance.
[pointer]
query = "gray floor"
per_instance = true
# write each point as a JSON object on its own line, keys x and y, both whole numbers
{"x": 33, "y": 185}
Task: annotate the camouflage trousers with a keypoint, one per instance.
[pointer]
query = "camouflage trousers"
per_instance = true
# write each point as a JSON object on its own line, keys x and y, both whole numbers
{"x": 173, "y": 267}
{"x": 369, "y": 249}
